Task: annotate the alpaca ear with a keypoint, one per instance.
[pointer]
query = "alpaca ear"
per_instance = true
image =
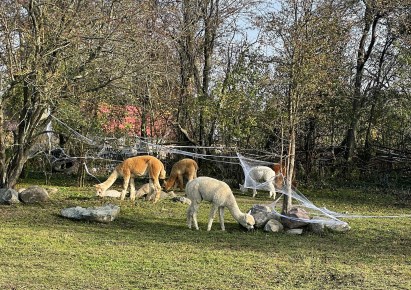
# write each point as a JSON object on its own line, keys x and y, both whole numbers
{"x": 249, "y": 212}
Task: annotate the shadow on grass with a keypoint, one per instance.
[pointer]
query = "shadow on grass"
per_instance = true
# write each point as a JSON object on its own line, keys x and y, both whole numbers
{"x": 365, "y": 242}
{"x": 143, "y": 223}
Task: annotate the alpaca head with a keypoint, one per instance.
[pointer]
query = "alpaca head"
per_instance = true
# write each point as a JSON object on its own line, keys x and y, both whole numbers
{"x": 248, "y": 221}
{"x": 99, "y": 190}
{"x": 166, "y": 185}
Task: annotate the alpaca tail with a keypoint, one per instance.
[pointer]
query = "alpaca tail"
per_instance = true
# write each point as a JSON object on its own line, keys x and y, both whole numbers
{"x": 163, "y": 173}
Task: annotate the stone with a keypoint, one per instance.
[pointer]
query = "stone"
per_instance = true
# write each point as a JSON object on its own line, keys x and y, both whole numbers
{"x": 262, "y": 214}
{"x": 316, "y": 227}
{"x": 103, "y": 214}
{"x": 34, "y": 194}
{"x": 163, "y": 195}
{"x": 273, "y": 226}
{"x": 295, "y": 213}
{"x": 111, "y": 193}
{"x": 338, "y": 227}
{"x": 320, "y": 224}
{"x": 294, "y": 231}
{"x": 9, "y": 196}
{"x": 181, "y": 199}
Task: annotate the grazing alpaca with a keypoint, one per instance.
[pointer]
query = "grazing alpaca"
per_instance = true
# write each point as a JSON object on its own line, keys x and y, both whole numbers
{"x": 263, "y": 174}
{"x": 220, "y": 195}
{"x": 135, "y": 167}
{"x": 184, "y": 168}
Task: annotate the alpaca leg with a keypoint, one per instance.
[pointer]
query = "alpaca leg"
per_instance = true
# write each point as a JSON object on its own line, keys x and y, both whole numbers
{"x": 190, "y": 210}
{"x": 254, "y": 192}
{"x": 125, "y": 186}
{"x": 192, "y": 215}
{"x": 272, "y": 191}
{"x": 213, "y": 211}
{"x": 132, "y": 189}
{"x": 157, "y": 190}
{"x": 221, "y": 212}
{"x": 180, "y": 182}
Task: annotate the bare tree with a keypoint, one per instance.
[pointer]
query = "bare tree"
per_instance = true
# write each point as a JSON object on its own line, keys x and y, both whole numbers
{"x": 50, "y": 50}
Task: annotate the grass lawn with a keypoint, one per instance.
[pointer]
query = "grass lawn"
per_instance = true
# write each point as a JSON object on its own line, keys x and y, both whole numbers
{"x": 150, "y": 247}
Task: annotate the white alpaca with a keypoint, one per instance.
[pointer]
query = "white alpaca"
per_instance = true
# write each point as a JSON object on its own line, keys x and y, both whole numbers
{"x": 265, "y": 175}
{"x": 220, "y": 195}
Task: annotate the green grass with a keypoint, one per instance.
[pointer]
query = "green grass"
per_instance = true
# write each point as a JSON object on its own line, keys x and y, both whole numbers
{"x": 150, "y": 247}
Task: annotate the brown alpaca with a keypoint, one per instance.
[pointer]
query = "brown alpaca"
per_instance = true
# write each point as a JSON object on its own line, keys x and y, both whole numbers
{"x": 280, "y": 180}
{"x": 184, "y": 168}
{"x": 279, "y": 168}
{"x": 136, "y": 167}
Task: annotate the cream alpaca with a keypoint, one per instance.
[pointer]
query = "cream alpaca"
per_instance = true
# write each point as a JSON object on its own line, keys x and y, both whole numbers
{"x": 263, "y": 174}
{"x": 135, "y": 167}
{"x": 220, "y": 195}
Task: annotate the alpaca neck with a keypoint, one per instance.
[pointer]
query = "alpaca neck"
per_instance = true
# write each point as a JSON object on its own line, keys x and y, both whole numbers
{"x": 169, "y": 183}
{"x": 110, "y": 180}
{"x": 235, "y": 210}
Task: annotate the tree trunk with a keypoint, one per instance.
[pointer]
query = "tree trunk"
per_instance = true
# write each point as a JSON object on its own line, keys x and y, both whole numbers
{"x": 287, "y": 203}
{"x": 309, "y": 146}
{"x": 3, "y": 168}
{"x": 371, "y": 18}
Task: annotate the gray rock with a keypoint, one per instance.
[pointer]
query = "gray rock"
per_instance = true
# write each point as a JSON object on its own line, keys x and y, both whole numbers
{"x": 163, "y": 195}
{"x": 8, "y": 196}
{"x": 316, "y": 227}
{"x": 103, "y": 214}
{"x": 320, "y": 224}
{"x": 294, "y": 231}
{"x": 143, "y": 190}
{"x": 295, "y": 213}
{"x": 273, "y": 226}
{"x": 111, "y": 193}
{"x": 181, "y": 199}
{"x": 262, "y": 214}
{"x": 338, "y": 227}
{"x": 34, "y": 194}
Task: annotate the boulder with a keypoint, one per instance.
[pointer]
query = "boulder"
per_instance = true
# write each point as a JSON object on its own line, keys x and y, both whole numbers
{"x": 262, "y": 214}
{"x": 320, "y": 224}
{"x": 103, "y": 214}
{"x": 317, "y": 227}
{"x": 34, "y": 194}
{"x": 181, "y": 199}
{"x": 273, "y": 226}
{"x": 338, "y": 227}
{"x": 111, "y": 193}
{"x": 295, "y": 213}
{"x": 294, "y": 231}
{"x": 163, "y": 195}
{"x": 8, "y": 196}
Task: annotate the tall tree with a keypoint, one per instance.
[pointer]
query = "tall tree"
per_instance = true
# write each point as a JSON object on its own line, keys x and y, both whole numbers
{"x": 304, "y": 33}
{"x": 49, "y": 51}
